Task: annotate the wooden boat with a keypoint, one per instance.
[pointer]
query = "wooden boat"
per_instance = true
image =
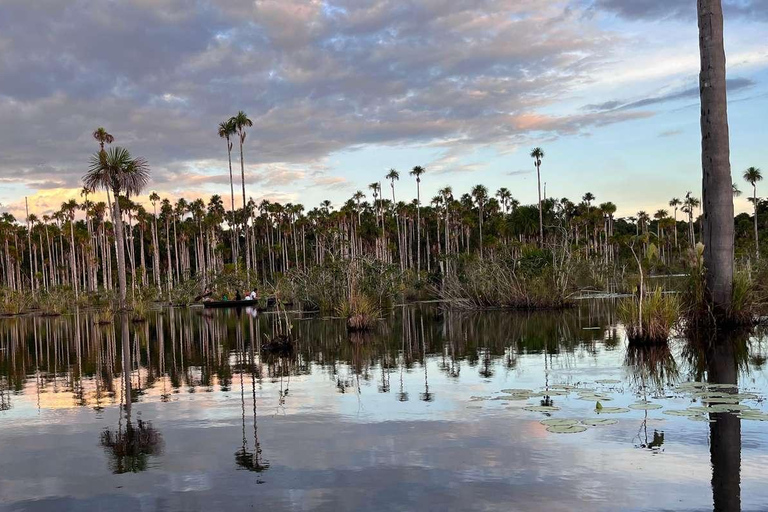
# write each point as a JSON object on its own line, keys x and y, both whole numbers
{"x": 231, "y": 303}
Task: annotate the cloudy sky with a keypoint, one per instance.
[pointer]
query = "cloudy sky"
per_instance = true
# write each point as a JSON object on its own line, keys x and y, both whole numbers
{"x": 342, "y": 90}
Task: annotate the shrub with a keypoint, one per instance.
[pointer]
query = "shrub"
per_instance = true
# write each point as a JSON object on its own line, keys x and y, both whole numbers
{"x": 650, "y": 319}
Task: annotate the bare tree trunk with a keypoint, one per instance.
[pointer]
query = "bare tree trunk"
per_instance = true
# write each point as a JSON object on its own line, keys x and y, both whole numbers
{"x": 717, "y": 189}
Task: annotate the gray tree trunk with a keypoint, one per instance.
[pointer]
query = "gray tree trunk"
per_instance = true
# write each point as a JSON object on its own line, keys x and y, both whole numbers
{"x": 717, "y": 191}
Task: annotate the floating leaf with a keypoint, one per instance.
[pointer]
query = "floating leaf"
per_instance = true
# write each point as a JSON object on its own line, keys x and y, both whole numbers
{"x": 700, "y": 418}
{"x": 599, "y": 422}
{"x": 566, "y": 429}
{"x": 729, "y": 408}
{"x": 720, "y": 400}
{"x": 517, "y": 391}
{"x": 511, "y": 397}
{"x": 700, "y": 410}
{"x": 722, "y": 386}
{"x": 541, "y": 408}
{"x": 608, "y": 381}
{"x": 595, "y": 398}
{"x": 645, "y": 406}
{"x": 753, "y": 415}
{"x": 612, "y": 410}
{"x": 683, "y": 412}
{"x": 559, "y": 422}
{"x": 554, "y": 392}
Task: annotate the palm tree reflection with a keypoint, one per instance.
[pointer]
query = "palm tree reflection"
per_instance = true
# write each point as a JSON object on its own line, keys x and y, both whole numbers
{"x": 244, "y": 457}
{"x": 129, "y": 448}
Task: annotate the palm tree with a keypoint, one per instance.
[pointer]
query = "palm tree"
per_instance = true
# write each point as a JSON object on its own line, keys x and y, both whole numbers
{"x": 752, "y": 175}
{"x": 154, "y": 198}
{"x": 537, "y": 154}
{"x": 240, "y": 122}
{"x": 116, "y": 170}
{"x": 480, "y": 195}
{"x": 504, "y": 196}
{"x": 588, "y": 198}
{"x": 394, "y": 176}
{"x": 717, "y": 191}
{"x": 226, "y": 130}
{"x": 101, "y": 135}
{"x": 675, "y": 203}
{"x": 418, "y": 171}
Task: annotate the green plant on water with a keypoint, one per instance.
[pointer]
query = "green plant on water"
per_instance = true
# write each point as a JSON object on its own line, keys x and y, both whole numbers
{"x": 361, "y": 312}
{"x": 537, "y": 279}
{"x": 104, "y": 316}
{"x": 13, "y": 302}
{"x": 650, "y": 318}
{"x": 139, "y": 308}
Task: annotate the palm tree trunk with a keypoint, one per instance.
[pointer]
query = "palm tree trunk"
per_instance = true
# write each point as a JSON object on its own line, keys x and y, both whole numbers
{"x": 717, "y": 190}
{"x": 757, "y": 240}
{"x": 121, "y": 278}
{"x": 541, "y": 214}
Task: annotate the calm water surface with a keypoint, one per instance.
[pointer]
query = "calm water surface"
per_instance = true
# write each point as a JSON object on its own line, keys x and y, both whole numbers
{"x": 190, "y": 414}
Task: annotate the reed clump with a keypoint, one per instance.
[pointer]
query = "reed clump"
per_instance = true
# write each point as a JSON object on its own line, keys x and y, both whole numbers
{"x": 650, "y": 318}
{"x": 540, "y": 279}
{"x": 360, "y": 312}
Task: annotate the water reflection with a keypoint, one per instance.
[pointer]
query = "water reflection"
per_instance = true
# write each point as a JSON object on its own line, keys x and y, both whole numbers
{"x": 130, "y": 446}
{"x": 341, "y": 407}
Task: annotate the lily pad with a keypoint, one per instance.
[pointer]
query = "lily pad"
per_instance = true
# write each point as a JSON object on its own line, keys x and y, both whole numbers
{"x": 681, "y": 412}
{"x": 753, "y": 416}
{"x": 559, "y": 422}
{"x": 645, "y": 406}
{"x": 595, "y": 398}
{"x": 517, "y": 391}
{"x": 511, "y": 397}
{"x": 599, "y": 422}
{"x": 612, "y": 410}
{"x": 566, "y": 429}
{"x": 701, "y": 418}
{"x": 541, "y": 408}
{"x": 554, "y": 392}
{"x": 720, "y": 400}
{"x": 729, "y": 408}
{"x": 608, "y": 381}
{"x": 700, "y": 410}
{"x": 722, "y": 386}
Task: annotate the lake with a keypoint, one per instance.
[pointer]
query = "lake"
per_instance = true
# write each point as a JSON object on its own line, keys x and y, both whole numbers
{"x": 435, "y": 410}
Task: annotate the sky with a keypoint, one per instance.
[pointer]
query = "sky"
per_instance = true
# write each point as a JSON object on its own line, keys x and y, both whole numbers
{"x": 340, "y": 91}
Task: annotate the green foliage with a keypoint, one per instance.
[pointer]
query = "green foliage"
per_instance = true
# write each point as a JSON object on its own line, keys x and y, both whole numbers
{"x": 536, "y": 280}
{"x": 330, "y": 286}
{"x": 13, "y": 302}
{"x": 660, "y": 314}
{"x": 360, "y": 311}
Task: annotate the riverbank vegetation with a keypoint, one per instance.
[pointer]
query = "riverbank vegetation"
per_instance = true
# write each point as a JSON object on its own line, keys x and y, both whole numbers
{"x": 472, "y": 250}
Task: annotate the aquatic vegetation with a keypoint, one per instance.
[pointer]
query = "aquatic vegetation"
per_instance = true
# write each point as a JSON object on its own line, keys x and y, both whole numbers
{"x": 599, "y": 422}
{"x": 130, "y": 448}
{"x": 507, "y": 284}
{"x": 566, "y": 429}
{"x": 651, "y": 318}
{"x": 645, "y": 406}
{"x": 360, "y": 312}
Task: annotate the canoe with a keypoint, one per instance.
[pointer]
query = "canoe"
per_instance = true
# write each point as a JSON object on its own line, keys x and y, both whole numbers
{"x": 230, "y": 303}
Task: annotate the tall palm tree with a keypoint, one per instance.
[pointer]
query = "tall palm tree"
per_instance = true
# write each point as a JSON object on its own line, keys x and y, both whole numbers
{"x": 241, "y": 122}
{"x": 102, "y": 137}
{"x": 418, "y": 171}
{"x": 154, "y": 198}
{"x": 717, "y": 192}
{"x": 394, "y": 176}
{"x": 752, "y": 175}
{"x": 675, "y": 203}
{"x": 226, "y": 130}
{"x": 116, "y": 170}
{"x": 504, "y": 196}
{"x": 480, "y": 195}
{"x": 538, "y": 154}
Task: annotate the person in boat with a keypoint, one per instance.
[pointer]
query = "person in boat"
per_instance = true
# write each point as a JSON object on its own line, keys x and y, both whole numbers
{"x": 224, "y": 297}
{"x": 238, "y": 297}
{"x": 253, "y": 295}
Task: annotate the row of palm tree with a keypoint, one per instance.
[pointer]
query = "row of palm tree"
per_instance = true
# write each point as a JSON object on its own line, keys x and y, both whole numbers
{"x": 171, "y": 242}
